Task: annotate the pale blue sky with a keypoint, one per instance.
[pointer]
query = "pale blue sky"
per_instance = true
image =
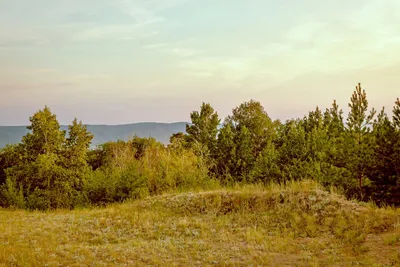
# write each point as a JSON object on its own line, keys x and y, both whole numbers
{"x": 123, "y": 61}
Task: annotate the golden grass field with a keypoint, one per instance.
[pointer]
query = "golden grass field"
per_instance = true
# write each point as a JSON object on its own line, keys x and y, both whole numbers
{"x": 294, "y": 225}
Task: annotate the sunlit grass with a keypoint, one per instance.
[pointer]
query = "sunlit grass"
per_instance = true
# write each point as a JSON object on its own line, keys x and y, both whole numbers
{"x": 298, "y": 224}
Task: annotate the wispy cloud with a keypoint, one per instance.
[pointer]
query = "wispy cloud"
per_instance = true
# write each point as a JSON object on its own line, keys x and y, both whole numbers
{"x": 145, "y": 11}
{"x": 82, "y": 21}
{"x": 112, "y": 33}
{"x": 141, "y": 12}
{"x": 178, "y": 49}
{"x": 145, "y": 15}
{"x": 23, "y": 87}
{"x": 31, "y": 80}
{"x": 222, "y": 71}
{"x": 23, "y": 42}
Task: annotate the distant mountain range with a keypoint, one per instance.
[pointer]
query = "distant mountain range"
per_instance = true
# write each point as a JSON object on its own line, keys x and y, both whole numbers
{"x": 104, "y": 133}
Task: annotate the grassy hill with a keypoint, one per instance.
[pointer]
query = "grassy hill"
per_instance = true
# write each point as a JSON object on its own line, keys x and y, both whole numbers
{"x": 104, "y": 133}
{"x": 296, "y": 225}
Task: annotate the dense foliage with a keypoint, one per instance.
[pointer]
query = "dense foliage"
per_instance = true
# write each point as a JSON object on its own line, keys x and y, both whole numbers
{"x": 360, "y": 156}
{"x": 52, "y": 169}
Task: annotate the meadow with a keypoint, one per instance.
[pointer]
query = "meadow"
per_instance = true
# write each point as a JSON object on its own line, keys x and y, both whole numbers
{"x": 299, "y": 224}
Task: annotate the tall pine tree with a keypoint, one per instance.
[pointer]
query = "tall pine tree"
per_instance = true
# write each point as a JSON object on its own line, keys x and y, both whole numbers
{"x": 358, "y": 138}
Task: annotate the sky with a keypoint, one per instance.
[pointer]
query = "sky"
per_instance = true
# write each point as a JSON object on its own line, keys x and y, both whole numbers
{"x": 126, "y": 61}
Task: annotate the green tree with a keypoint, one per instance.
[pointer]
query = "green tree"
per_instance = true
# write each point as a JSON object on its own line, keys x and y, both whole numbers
{"x": 253, "y": 116}
{"x": 225, "y": 152}
{"x": 266, "y": 168}
{"x": 383, "y": 170}
{"x": 293, "y": 153}
{"x": 204, "y": 127}
{"x": 358, "y": 136}
{"x": 202, "y": 135}
{"x": 243, "y": 155}
{"x": 318, "y": 147}
{"x": 396, "y": 114}
{"x": 315, "y": 134}
{"x": 9, "y": 156}
{"x": 334, "y": 166}
{"x": 396, "y": 124}
{"x": 314, "y": 120}
{"x": 77, "y": 145}
{"x": 396, "y": 153}
{"x": 333, "y": 120}
{"x": 75, "y": 155}
{"x": 242, "y": 139}
{"x": 51, "y": 169}
{"x": 180, "y": 138}
{"x": 45, "y": 136}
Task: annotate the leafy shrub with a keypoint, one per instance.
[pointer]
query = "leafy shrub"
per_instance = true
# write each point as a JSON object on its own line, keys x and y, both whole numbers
{"x": 11, "y": 195}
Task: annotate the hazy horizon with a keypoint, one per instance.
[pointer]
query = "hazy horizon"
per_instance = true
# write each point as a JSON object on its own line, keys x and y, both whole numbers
{"x": 117, "y": 62}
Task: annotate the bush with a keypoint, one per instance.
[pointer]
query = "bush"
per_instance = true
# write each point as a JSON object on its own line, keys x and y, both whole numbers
{"x": 100, "y": 185}
{"x": 11, "y": 195}
{"x": 156, "y": 170}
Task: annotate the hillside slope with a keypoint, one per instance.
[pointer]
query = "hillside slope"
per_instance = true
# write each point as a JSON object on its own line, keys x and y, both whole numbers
{"x": 103, "y": 133}
{"x": 298, "y": 225}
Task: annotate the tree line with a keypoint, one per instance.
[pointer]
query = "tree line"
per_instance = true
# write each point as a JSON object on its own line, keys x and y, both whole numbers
{"x": 359, "y": 155}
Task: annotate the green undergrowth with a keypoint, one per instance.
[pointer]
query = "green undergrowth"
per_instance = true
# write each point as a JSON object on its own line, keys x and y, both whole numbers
{"x": 299, "y": 224}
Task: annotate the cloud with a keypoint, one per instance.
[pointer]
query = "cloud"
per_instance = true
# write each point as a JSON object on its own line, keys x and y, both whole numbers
{"x": 317, "y": 41}
{"x": 73, "y": 21}
{"x": 45, "y": 80}
{"x": 145, "y": 12}
{"x": 221, "y": 71}
{"x": 23, "y": 42}
{"x": 17, "y": 42}
{"x": 180, "y": 49}
{"x": 175, "y": 49}
{"x": 363, "y": 36}
{"x": 20, "y": 87}
{"x": 141, "y": 14}
{"x": 112, "y": 33}
{"x": 145, "y": 15}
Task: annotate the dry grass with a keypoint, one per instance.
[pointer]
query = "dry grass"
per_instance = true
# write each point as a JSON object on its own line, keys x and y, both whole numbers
{"x": 296, "y": 225}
